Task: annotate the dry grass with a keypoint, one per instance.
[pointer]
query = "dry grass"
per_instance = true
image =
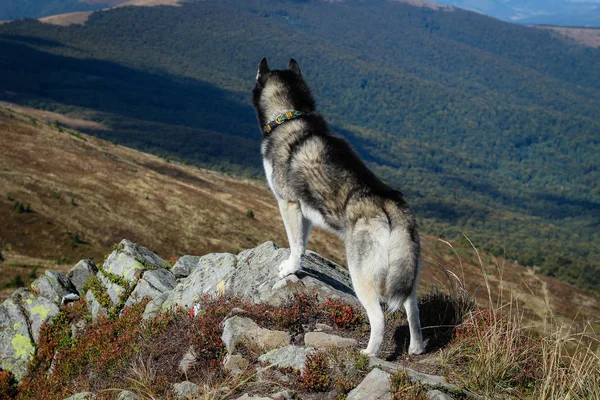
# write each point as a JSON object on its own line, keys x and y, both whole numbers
{"x": 586, "y": 36}
{"x": 495, "y": 354}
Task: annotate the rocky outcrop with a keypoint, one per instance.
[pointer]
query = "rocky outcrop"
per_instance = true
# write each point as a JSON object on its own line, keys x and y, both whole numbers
{"x": 132, "y": 273}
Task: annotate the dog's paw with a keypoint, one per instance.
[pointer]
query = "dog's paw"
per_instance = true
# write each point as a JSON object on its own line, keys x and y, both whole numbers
{"x": 366, "y": 352}
{"x": 288, "y": 267}
{"x": 416, "y": 350}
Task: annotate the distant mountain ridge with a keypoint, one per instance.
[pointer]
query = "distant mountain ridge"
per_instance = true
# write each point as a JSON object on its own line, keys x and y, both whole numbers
{"x": 536, "y": 12}
{"x": 488, "y": 127}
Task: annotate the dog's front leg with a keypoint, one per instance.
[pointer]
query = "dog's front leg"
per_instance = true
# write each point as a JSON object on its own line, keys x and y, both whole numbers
{"x": 297, "y": 228}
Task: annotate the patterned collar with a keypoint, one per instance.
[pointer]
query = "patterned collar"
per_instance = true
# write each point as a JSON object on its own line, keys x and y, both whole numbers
{"x": 280, "y": 119}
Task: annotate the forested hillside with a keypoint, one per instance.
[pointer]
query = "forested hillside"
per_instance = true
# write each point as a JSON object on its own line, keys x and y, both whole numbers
{"x": 487, "y": 127}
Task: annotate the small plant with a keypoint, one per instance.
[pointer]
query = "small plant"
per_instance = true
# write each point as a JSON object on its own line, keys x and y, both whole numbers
{"x": 73, "y": 203}
{"x": 8, "y": 385}
{"x": 250, "y": 213}
{"x": 315, "y": 377}
{"x": 403, "y": 389}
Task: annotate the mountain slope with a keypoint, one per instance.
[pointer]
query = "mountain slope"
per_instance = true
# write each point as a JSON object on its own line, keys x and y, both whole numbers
{"x": 488, "y": 127}
{"x": 85, "y": 194}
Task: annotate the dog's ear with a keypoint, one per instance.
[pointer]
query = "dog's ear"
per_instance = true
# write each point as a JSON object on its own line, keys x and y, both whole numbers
{"x": 294, "y": 67}
{"x": 263, "y": 69}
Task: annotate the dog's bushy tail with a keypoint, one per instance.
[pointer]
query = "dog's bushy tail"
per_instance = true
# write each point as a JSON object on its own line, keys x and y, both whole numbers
{"x": 403, "y": 269}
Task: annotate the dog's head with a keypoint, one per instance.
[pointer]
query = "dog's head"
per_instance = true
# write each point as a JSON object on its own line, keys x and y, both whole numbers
{"x": 277, "y": 91}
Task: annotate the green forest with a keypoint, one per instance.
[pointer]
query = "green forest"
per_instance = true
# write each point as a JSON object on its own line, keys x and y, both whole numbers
{"x": 488, "y": 128}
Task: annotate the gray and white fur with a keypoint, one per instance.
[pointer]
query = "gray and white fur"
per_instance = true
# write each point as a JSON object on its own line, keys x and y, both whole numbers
{"x": 317, "y": 178}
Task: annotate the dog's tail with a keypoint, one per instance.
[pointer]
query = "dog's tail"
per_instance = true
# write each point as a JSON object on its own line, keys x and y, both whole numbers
{"x": 403, "y": 267}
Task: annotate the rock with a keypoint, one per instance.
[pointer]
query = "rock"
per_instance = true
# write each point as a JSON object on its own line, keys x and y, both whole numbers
{"x": 53, "y": 286}
{"x": 257, "y": 278}
{"x": 209, "y": 276}
{"x": 127, "y": 395}
{"x": 186, "y": 390}
{"x": 323, "y": 327}
{"x": 184, "y": 266}
{"x": 375, "y": 386}
{"x": 80, "y": 273}
{"x": 240, "y": 330}
{"x": 246, "y": 396}
{"x": 129, "y": 261}
{"x": 94, "y": 307}
{"x": 154, "y": 307}
{"x": 289, "y": 356}
{"x": 437, "y": 395}
{"x": 113, "y": 290}
{"x": 152, "y": 284}
{"x": 235, "y": 363}
{"x": 321, "y": 339}
{"x": 283, "y": 395}
{"x": 188, "y": 361}
{"x": 16, "y": 344}
{"x": 39, "y": 310}
{"x": 432, "y": 381}
{"x": 82, "y": 396}
{"x": 253, "y": 274}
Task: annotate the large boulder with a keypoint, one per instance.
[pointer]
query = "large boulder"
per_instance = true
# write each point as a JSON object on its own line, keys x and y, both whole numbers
{"x": 53, "y": 286}
{"x": 253, "y": 274}
{"x": 80, "y": 273}
{"x": 129, "y": 261}
{"x": 16, "y": 343}
{"x": 152, "y": 284}
{"x": 39, "y": 310}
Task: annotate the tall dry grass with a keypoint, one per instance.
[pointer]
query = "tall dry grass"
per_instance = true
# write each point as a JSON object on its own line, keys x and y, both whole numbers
{"x": 496, "y": 355}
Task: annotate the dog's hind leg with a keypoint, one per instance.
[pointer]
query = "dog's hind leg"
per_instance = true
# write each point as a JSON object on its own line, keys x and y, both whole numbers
{"x": 414, "y": 324}
{"x": 297, "y": 228}
{"x": 365, "y": 260}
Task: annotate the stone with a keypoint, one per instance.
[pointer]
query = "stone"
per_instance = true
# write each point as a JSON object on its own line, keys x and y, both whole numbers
{"x": 184, "y": 266}
{"x": 16, "y": 344}
{"x": 321, "y": 339}
{"x": 39, "y": 310}
{"x": 375, "y": 386}
{"x": 437, "y": 395}
{"x": 257, "y": 276}
{"x": 130, "y": 260}
{"x": 80, "y": 273}
{"x": 235, "y": 363}
{"x": 186, "y": 390}
{"x": 152, "y": 284}
{"x": 154, "y": 307}
{"x": 246, "y": 396}
{"x": 241, "y": 330}
{"x": 289, "y": 356}
{"x": 283, "y": 395}
{"x": 209, "y": 276}
{"x": 127, "y": 395}
{"x": 427, "y": 380}
{"x": 94, "y": 307}
{"x": 53, "y": 286}
{"x": 82, "y": 396}
{"x": 323, "y": 327}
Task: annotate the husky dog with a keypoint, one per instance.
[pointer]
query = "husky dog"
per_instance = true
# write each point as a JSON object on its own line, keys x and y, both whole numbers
{"x": 317, "y": 178}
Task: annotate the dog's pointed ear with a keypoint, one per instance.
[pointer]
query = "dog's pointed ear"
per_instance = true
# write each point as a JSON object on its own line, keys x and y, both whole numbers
{"x": 263, "y": 69}
{"x": 294, "y": 67}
